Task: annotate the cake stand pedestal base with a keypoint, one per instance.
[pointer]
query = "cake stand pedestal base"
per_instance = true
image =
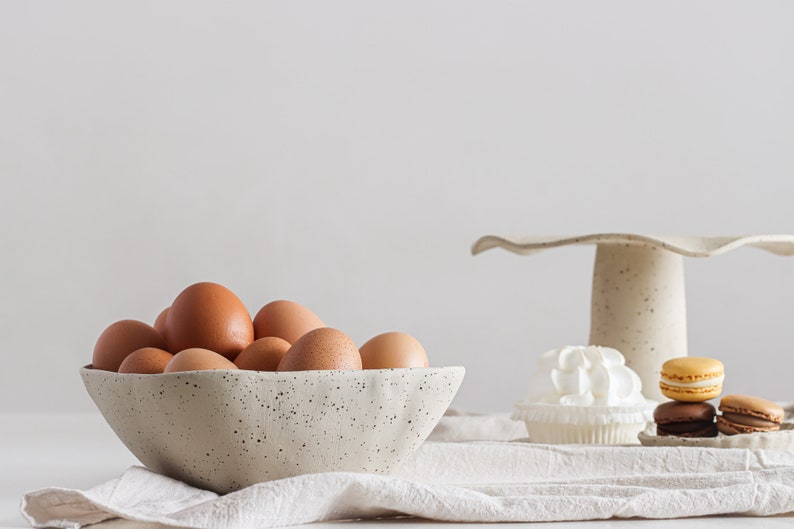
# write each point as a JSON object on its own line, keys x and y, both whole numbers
{"x": 639, "y": 308}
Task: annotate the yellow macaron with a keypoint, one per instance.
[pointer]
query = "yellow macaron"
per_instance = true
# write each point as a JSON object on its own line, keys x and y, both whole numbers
{"x": 692, "y": 378}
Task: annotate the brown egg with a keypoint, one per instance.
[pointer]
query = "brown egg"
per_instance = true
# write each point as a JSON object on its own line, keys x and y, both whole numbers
{"x": 393, "y": 349}
{"x": 198, "y": 359}
{"x": 209, "y": 316}
{"x": 323, "y": 348}
{"x": 146, "y": 361}
{"x": 159, "y": 323}
{"x": 286, "y": 319}
{"x": 263, "y": 354}
{"x": 122, "y": 338}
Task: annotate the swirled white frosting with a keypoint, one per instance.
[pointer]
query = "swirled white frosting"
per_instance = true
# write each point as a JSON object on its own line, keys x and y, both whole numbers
{"x": 584, "y": 376}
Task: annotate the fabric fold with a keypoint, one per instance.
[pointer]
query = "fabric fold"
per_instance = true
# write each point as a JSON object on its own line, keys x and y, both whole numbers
{"x": 459, "y": 482}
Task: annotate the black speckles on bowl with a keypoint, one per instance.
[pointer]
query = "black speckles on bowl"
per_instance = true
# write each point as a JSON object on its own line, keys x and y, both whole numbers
{"x": 224, "y": 430}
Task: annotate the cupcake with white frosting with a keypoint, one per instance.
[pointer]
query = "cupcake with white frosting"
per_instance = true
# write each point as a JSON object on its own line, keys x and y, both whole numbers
{"x": 584, "y": 395}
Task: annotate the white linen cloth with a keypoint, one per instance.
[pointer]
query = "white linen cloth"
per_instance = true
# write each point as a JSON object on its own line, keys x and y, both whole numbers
{"x": 468, "y": 481}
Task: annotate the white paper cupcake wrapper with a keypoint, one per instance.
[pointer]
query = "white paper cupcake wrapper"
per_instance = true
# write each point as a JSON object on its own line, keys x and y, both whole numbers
{"x": 560, "y": 424}
{"x": 539, "y": 412}
{"x": 600, "y": 434}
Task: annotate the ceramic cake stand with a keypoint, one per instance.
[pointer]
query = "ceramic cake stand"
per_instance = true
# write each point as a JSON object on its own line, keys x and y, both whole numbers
{"x": 638, "y": 304}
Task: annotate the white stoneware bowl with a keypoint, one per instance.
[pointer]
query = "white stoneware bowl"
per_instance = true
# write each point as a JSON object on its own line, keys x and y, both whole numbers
{"x": 224, "y": 430}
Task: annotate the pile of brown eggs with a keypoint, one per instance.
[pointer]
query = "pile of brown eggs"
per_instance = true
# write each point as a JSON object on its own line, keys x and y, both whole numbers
{"x": 208, "y": 327}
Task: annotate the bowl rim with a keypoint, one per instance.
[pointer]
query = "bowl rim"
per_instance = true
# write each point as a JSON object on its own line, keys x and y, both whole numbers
{"x": 88, "y": 368}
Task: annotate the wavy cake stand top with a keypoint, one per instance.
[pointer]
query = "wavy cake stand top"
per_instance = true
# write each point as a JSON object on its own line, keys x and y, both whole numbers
{"x": 639, "y": 304}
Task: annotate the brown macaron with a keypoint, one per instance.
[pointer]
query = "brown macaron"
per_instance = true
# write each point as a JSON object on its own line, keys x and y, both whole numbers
{"x": 748, "y": 414}
{"x": 685, "y": 419}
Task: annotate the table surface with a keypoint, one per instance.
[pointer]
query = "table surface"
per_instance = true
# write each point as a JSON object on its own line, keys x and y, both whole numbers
{"x": 79, "y": 450}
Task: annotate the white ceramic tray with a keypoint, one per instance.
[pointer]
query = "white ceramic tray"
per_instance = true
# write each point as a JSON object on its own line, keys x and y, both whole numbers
{"x": 780, "y": 440}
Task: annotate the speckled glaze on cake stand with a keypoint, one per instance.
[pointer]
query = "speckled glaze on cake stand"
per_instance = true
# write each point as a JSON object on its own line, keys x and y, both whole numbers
{"x": 639, "y": 302}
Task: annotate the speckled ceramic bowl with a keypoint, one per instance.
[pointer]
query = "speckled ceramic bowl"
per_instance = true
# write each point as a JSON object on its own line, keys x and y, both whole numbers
{"x": 225, "y": 430}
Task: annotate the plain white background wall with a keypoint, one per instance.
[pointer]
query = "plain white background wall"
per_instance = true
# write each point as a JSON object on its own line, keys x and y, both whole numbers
{"x": 346, "y": 155}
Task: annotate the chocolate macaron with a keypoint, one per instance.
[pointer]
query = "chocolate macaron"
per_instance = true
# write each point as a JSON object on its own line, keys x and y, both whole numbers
{"x": 747, "y": 414}
{"x": 685, "y": 419}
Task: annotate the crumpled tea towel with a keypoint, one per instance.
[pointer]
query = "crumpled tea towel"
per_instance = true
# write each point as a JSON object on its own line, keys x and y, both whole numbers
{"x": 462, "y": 482}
